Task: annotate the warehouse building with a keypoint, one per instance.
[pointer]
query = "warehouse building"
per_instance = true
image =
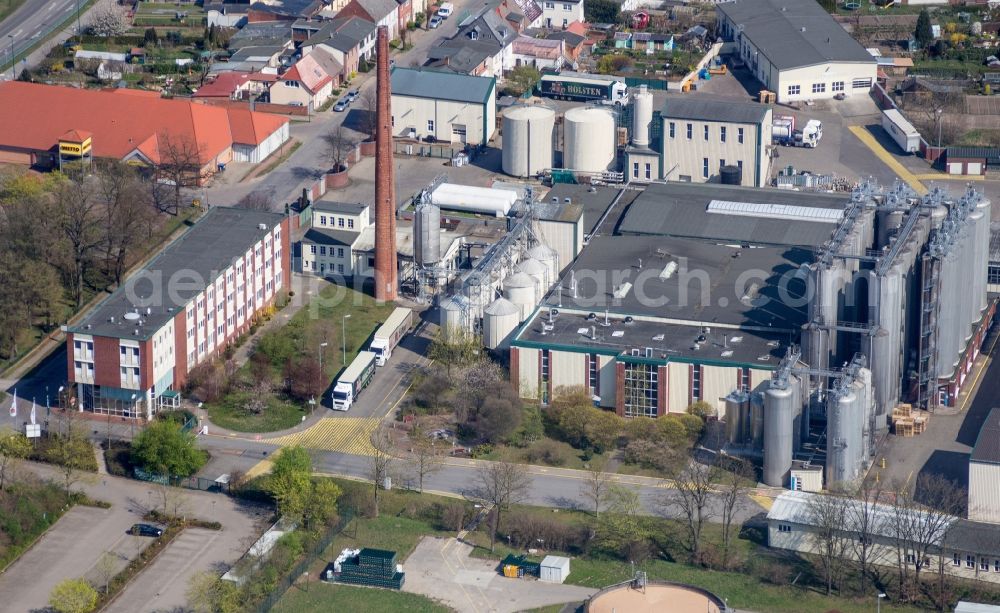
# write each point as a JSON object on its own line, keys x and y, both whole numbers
{"x": 443, "y": 106}
{"x": 133, "y": 353}
{"x": 984, "y": 472}
{"x": 796, "y": 49}
{"x": 701, "y": 136}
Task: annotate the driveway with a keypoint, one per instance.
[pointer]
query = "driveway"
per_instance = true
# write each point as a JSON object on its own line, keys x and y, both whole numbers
{"x": 442, "y": 569}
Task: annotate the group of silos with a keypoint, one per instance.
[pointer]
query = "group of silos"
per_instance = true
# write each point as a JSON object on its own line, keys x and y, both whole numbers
{"x": 522, "y": 291}
{"x": 849, "y": 428}
{"x": 589, "y": 143}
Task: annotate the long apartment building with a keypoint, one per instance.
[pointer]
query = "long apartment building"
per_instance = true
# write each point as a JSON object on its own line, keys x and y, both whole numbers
{"x": 133, "y": 353}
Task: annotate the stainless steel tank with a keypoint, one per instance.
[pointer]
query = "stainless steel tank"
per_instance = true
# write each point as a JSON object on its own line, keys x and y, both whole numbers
{"x": 427, "y": 234}
{"x": 737, "y": 417}
{"x": 778, "y": 417}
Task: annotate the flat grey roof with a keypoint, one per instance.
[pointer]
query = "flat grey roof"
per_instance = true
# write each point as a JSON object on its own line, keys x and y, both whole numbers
{"x": 180, "y": 272}
{"x": 987, "y": 447}
{"x": 713, "y": 108}
{"x": 710, "y": 284}
{"x": 680, "y": 209}
{"x": 441, "y": 85}
{"x": 350, "y": 208}
{"x": 974, "y": 536}
{"x": 595, "y": 200}
{"x": 794, "y": 33}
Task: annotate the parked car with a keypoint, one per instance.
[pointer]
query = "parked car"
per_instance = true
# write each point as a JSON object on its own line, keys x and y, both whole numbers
{"x": 341, "y": 105}
{"x": 353, "y": 95}
{"x": 145, "y": 530}
{"x": 434, "y": 22}
{"x": 447, "y": 8}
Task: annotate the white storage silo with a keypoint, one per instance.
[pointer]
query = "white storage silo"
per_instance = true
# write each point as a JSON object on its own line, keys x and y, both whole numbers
{"x": 642, "y": 117}
{"x": 589, "y": 139}
{"x": 452, "y": 315}
{"x": 519, "y": 288}
{"x": 527, "y": 140}
{"x": 537, "y": 271}
{"x": 548, "y": 257}
{"x": 427, "y": 234}
{"x": 500, "y": 319}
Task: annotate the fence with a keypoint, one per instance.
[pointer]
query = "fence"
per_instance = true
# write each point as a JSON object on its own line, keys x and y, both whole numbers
{"x": 314, "y": 553}
{"x": 885, "y": 102}
{"x": 190, "y": 483}
{"x": 649, "y": 83}
{"x": 426, "y": 150}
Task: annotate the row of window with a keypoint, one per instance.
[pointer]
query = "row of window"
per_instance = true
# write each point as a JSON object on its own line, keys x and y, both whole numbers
{"x": 552, "y": 5}
{"x": 835, "y": 87}
{"x": 334, "y": 251}
{"x": 648, "y": 174}
{"x": 706, "y": 132}
{"x": 970, "y": 562}
{"x": 722, "y": 162}
{"x": 340, "y": 222}
{"x": 311, "y": 265}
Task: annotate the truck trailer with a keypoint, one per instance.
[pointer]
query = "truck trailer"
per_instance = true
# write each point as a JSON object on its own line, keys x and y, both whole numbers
{"x": 584, "y": 87}
{"x": 390, "y": 333}
{"x": 901, "y": 131}
{"x": 355, "y": 378}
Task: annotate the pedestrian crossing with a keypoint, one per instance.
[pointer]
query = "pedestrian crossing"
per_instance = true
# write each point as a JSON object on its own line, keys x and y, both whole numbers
{"x": 344, "y": 434}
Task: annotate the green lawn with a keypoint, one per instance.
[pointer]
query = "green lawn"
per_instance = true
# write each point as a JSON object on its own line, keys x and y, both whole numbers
{"x": 7, "y": 7}
{"x": 569, "y": 455}
{"x": 280, "y": 414}
{"x": 26, "y": 511}
{"x": 330, "y": 597}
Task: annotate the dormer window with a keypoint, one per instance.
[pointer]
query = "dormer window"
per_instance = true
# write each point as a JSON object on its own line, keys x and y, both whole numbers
{"x": 473, "y": 35}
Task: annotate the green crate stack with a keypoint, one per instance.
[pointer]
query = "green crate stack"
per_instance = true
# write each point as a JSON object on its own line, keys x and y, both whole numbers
{"x": 374, "y": 568}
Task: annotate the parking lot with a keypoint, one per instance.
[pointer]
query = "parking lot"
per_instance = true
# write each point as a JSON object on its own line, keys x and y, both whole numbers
{"x": 442, "y": 569}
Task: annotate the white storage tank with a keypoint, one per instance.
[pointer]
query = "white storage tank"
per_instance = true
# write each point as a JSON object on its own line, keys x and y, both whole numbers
{"x": 642, "y": 116}
{"x": 527, "y": 140}
{"x": 427, "y": 234}
{"x": 519, "y": 288}
{"x": 589, "y": 139}
{"x": 452, "y": 315}
{"x": 500, "y": 319}
{"x": 548, "y": 257}
{"x": 537, "y": 271}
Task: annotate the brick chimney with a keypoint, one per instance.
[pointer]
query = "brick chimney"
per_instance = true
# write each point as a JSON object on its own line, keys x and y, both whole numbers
{"x": 386, "y": 275}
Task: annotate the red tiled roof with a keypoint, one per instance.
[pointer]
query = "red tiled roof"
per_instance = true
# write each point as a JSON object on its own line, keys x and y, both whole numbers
{"x": 309, "y": 73}
{"x": 75, "y": 136}
{"x": 35, "y": 116}
{"x": 222, "y": 86}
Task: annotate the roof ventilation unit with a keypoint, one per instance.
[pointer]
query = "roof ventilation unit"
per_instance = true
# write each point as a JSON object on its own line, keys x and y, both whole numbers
{"x": 629, "y": 319}
{"x": 659, "y": 337}
{"x": 668, "y": 270}
{"x": 623, "y": 290}
{"x": 262, "y": 226}
{"x": 728, "y": 353}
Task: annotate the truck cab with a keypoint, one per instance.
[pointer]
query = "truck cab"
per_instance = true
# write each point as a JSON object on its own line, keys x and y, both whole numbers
{"x": 343, "y": 396}
{"x": 382, "y": 351}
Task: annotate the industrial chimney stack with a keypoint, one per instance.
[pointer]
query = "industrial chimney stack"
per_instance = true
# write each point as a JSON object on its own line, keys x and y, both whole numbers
{"x": 386, "y": 275}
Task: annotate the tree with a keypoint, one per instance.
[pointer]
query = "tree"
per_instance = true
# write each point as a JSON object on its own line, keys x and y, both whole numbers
{"x": 175, "y": 502}
{"x": 923, "y": 34}
{"x": 379, "y": 462}
{"x": 426, "y": 460}
{"x": 733, "y": 482}
{"x": 79, "y": 221}
{"x": 257, "y": 200}
{"x": 369, "y": 102}
{"x": 595, "y": 487}
{"x": 321, "y": 503}
{"x": 521, "y": 79}
{"x": 455, "y": 347}
{"x": 210, "y": 593}
{"x": 864, "y": 524}
{"x": 499, "y": 416}
{"x": 290, "y": 481}
{"x": 163, "y": 448}
{"x": 14, "y": 447}
{"x": 501, "y": 484}
{"x": 258, "y": 390}
{"x": 70, "y": 450}
{"x": 305, "y": 378}
{"x": 701, "y": 409}
{"x": 691, "y": 496}
{"x": 128, "y": 215}
{"x": 73, "y": 596}
{"x": 922, "y": 517}
{"x": 180, "y": 166}
{"x": 828, "y": 514}
{"x": 150, "y": 38}
{"x": 106, "y": 568}
{"x": 339, "y": 144}
{"x": 601, "y": 11}
{"x": 108, "y": 23}
{"x": 622, "y": 531}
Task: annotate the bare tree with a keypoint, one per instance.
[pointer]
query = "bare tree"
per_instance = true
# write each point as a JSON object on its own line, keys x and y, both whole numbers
{"x": 828, "y": 514}
{"x": 426, "y": 459}
{"x": 258, "y": 200}
{"x": 595, "y": 486}
{"x": 865, "y": 523}
{"x": 369, "y": 102}
{"x": 106, "y": 568}
{"x": 380, "y": 461}
{"x": 175, "y": 502}
{"x": 733, "y": 481}
{"x": 14, "y": 448}
{"x": 690, "y": 496}
{"x": 339, "y": 144}
{"x": 180, "y": 166}
{"x": 501, "y": 484}
{"x": 70, "y": 450}
{"x": 128, "y": 214}
{"x": 79, "y": 220}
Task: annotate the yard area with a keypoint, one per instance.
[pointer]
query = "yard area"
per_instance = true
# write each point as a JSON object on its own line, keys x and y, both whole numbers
{"x": 321, "y": 596}
{"x": 169, "y": 14}
{"x": 311, "y": 341}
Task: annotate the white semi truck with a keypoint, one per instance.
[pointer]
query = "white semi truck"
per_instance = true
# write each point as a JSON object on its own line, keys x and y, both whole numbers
{"x": 355, "y": 378}
{"x": 390, "y": 333}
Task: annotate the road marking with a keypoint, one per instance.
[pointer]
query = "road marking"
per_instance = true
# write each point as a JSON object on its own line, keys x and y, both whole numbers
{"x": 345, "y": 434}
{"x": 260, "y": 468}
{"x": 869, "y": 141}
{"x": 945, "y": 177}
{"x": 763, "y": 501}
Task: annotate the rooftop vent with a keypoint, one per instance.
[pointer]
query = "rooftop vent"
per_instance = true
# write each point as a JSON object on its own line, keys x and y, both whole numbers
{"x": 262, "y": 226}
{"x": 764, "y": 358}
{"x": 728, "y": 353}
{"x": 622, "y": 290}
{"x": 668, "y": 270}
{"x": 629, "y": 320}
{"x": 659, "y": 337}
{"x": 567, "y": 200}
{"x": 555, "y": 199}
{"x": 736, "y": 339}
{"x": 132, "y": 316}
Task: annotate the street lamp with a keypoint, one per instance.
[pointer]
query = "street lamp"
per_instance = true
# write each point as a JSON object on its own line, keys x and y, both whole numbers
{"x": 12, "y": 75}
{"x": 878, "y": 603}
{"x": 343, "y": 332}
{"x": 939, "y": 111}
{"x": 321, "y": 345}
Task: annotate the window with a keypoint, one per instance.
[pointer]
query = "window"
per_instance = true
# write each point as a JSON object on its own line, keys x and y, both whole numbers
{"x": 565, "y": 22}
{"x": 819, "y": 88}
{"x": 910, "y": 558}
{"x": 722, "y": 162}
{"x": 322, "y": 220}
{"x": 996, "y": 566}
{"x": 312, "y": 249}
{"x": 956, "y": 560}
{"x": 695, "y": 382}
{"x": 430, "y": 125}
{"x": 340, "y": 222}
{"x": 984, "y": 564}
{"x": 861, "y": 83}
{"x": 739, "y": 135}
{"x": 794, "y": 90}
{"x": 340, "y": 252}
{"x": 550, "y": 5}
{"x": 739, "y": 164}
{"x": 641, "y": 389}
{"x": 593, "y": 380}
{"x": 837, "y": 86}
{"x": 649, "y": 171}
{"x": 745, "y": 378}
{"x": 704, "y": 167}
{"x": 993, "y": 274}
{"x": 706, "y": 132}
{"x": 690, "y": 131}
{"x": 544, "y": 367}
{"x": 672, "y": 128}
{"x": 322, "y": 250}
{"x": 635, "y": 170}
{"x": 190, "y": 314}
{"x": 970, "y": 561}
{"x": 350, "y": 223}
{"x": 191, "y": 333}
{"x": 340, "y": 268}
{"x": 784, "y": 528}
{"x": 567, "y": 7}
{"x": 722, "y": 133}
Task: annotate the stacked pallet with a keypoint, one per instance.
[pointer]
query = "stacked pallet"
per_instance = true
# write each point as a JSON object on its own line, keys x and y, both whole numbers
{"x": 374, "y": 568}
{"x": 906, "y": 422}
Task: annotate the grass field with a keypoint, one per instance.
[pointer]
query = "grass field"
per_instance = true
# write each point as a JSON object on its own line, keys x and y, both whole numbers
{"x": 165, "y": 14}
{"x": 330, "y": 597}
{"x": 26, "y": 511}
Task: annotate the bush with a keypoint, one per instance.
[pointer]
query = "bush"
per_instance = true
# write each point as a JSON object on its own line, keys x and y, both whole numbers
{"x": 531, "y": 428}
{"x": 119, "y": 459}
{"x": 452, "y": 516}
{"x": 525, "y": 529}
{"x": 432, "y": 391}
{"x": 548, "y": 452}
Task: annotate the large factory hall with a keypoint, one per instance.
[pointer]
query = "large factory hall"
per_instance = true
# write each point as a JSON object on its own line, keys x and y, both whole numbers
{"x": 804, "y": 318}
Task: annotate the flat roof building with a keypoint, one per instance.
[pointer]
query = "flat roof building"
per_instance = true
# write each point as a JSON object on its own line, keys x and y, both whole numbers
{"x": 984, "y": 472}
{"x": 445, "y": 106}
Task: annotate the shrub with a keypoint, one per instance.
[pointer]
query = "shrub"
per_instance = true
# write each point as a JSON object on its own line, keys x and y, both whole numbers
{"x": 530, "y": 430}
{"x": 452, "y": 516}
{"x": 525, "y": 529}
{"x": 548, "y": 452}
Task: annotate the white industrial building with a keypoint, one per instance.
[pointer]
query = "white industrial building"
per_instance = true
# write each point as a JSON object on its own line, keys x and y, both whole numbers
{"x": 444, "y": 106}
{"x": 701, "y": 135}
{"x": 796, "y": 49}
{"x": 984, "y": 472}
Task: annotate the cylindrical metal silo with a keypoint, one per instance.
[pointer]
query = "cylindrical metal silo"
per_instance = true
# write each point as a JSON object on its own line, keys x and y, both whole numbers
{"x": 588, "y": 139}
{"x": 500, "y": 319}
{"x": 452, "y": 315}
{"x": 519, "y": 288}
{"x": 757, "y": 420}
{"x": 841, "y": 423}
{"x": 527, "y": 140}
{"x": 737, "y": 413}
{"x": 778, "y": 416}
{"x": 642, "y": 117}
{"x": 426, "y": 234}
{"x": 547, "y": 256}
{"x": 947, "y": 322}
{"x": 537, "y": 271}
{"x": 984, "y": 206}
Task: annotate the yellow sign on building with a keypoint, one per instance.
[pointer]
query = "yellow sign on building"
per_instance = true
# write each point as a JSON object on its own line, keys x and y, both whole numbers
{"x": 75, "y": 148}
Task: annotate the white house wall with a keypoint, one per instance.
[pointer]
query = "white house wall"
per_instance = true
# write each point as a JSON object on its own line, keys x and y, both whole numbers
{"x": 678, "y": 387}
{"x": 414, "y": 113}
{"x": 608, "y": 380}
{"x": 826, "y": 75}
{"x": 527, "y": 363}
{"x": 984, "y": 492}
{"x": 684, "y": 159}
{"x": 561, "y": 237}
{"x": 717, "y": 382}
{"x": 567, "y": 369}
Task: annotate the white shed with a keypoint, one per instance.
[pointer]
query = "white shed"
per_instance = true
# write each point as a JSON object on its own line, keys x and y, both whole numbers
{"x": 554, "y": 569}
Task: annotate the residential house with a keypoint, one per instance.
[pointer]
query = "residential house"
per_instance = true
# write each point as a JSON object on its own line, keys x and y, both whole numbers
{"x": 350, "y": 39}
{"x": 284, "y": 10}
{"x": 558, "y": 14}
{"x": 310, "y": 82}
{"x": 265, "y": 56}
{"x": 226, "y": 15}
{"x": 235, "y": 86}
{"x": 483, "y": 44}
{"x": 650, "y": 42}
{"x": 380, "y": 12}
{"x": 443, "y": 105}
{"x": 261, "y": 35}
{"x": 541, "y": 53}
{"x": 575, "y": 38}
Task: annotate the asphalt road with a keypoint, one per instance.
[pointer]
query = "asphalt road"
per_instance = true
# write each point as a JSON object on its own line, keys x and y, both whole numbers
{"x": 31, "y": 21}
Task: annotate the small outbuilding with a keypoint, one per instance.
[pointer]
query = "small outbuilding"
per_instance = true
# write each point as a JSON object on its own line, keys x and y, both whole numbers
{"x": 554, "y": 569}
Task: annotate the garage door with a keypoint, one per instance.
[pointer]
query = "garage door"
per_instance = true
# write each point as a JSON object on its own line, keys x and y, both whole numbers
{"x": 458, "y": 133}
{"x": 954, "y": 168}
{"x": 975, "y": 168}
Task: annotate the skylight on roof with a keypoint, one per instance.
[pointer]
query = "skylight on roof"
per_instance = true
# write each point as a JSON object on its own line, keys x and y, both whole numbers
{"x": 775, "y": 211}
